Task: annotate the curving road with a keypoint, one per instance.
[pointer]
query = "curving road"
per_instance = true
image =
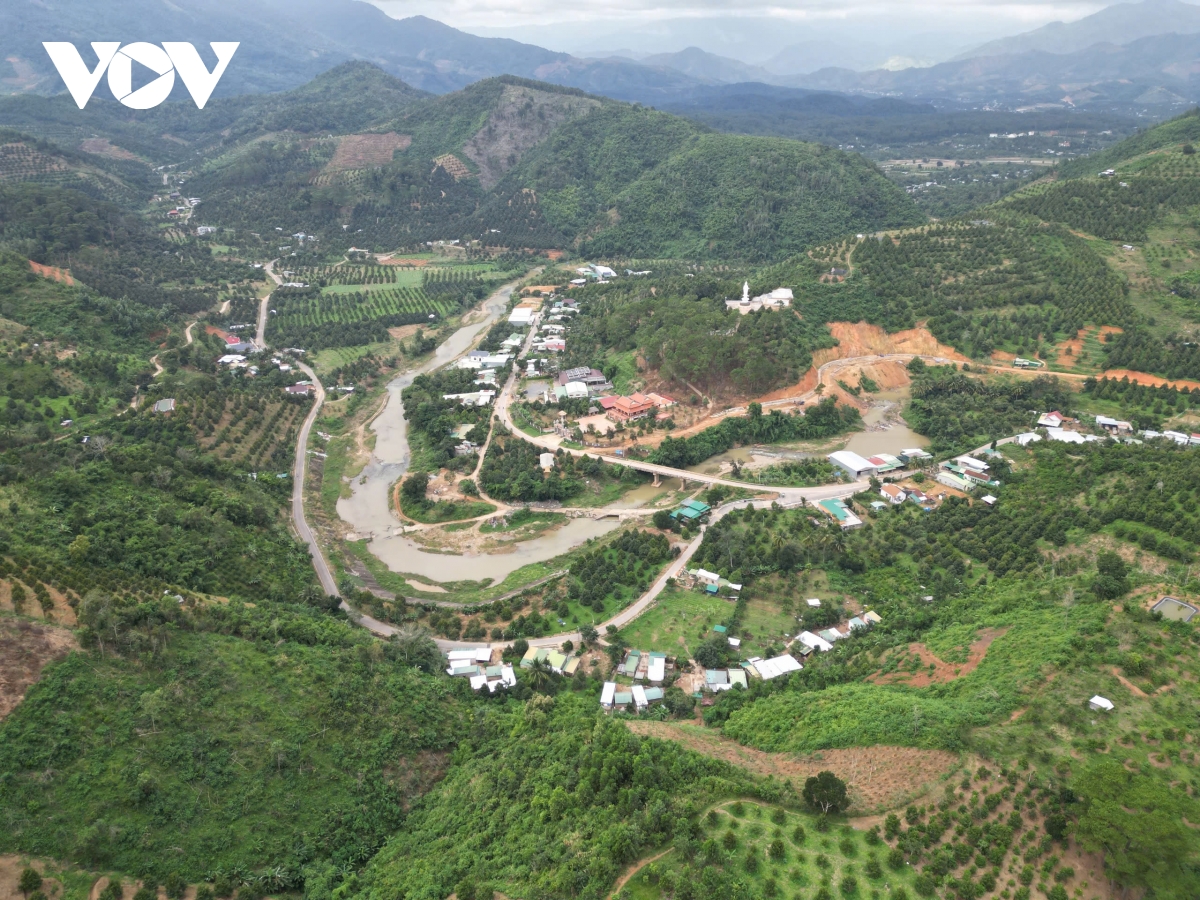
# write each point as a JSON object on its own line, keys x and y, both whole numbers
{"x": 324, "y": 575}
{"x": 786, "y": 496}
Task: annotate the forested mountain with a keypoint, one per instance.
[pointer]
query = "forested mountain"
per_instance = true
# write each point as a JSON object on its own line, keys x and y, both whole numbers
{"x": 358, "y": 157}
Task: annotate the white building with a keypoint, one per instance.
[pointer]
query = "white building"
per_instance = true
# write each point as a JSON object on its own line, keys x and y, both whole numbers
{"x": 1098, "y": 703}
{"x": 522, "y": 315}
{"x": 477, "y": 398}
{"x": 808, "y": 639}
{"x": 776, "y": 666}
{"x": 779, "y": 298}
{"x": 851, "y": 462}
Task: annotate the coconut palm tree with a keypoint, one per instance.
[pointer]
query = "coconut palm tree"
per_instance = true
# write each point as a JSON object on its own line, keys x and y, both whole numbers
{"x": 539, "y": 676}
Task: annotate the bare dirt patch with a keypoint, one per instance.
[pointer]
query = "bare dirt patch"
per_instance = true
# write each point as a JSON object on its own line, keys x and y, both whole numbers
{"x": 400, "y": 332}
{"x": 397, "y": 261}
{"x": 862, "y": 339}
{"x": 105, "y": 147}
{"x": 1149, "y": 380}
{"x": 52, "y": 272}
{"x": 879, "y": 777}
{"x": 364, "y": 151}
{"x": 25, "y": 649}
{"x": 936, "y": 671}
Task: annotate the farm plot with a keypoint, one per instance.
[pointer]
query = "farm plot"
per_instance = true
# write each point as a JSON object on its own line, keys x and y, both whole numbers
{"x": 252, "y": 431}
{"x": 315, "y": 320}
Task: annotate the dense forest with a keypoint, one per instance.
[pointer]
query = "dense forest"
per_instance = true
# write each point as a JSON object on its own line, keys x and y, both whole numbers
{"x": 959, "y": 413}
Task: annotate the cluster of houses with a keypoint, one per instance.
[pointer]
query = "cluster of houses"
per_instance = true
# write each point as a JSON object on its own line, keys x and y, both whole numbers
{"x": 616, "y": 697}
{"x": 1059, "y": 427}
{"x": 881, "y": 463}
{"x": 476, "y": 664}
{"x": 965, "y": 473}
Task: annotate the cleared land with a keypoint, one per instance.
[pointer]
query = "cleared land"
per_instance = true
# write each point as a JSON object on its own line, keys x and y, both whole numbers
{"x": 879, "y": 777}
{"x": 25, "y": 649}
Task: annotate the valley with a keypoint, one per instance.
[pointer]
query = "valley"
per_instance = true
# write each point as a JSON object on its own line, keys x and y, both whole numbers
{"x": 515, "y": 492}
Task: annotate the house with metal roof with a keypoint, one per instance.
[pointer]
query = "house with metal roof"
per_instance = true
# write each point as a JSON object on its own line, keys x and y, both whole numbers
{"x": 767, "y": 669}
{"x": 716, "y": 680}
{"x": 841, "y": 513}
{"x": 607, "y": 693}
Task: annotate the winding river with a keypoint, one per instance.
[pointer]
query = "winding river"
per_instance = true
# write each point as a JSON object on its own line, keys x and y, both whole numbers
{"x": 368, "y": 508}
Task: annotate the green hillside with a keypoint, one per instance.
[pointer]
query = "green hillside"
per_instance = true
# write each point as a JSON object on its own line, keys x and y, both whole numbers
{"x": 1180, "y": 130}
{"x": 222, "y": 740}
{"x": 520, "y": 163}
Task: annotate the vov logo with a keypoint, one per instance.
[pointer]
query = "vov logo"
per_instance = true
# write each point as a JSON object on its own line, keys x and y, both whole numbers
{"x": 165, "y": 61}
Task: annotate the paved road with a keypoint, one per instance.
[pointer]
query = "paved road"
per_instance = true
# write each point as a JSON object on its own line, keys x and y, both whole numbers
{"x": 787, "y": 496}
{"x": 324, "y": 575}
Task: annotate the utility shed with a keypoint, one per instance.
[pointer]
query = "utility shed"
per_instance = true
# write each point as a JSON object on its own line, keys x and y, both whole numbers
{"x": 1098, "y": 703}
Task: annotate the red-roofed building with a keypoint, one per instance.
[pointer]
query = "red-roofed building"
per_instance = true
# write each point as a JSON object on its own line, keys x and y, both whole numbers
{"x": 607, "y": 403}
{"x": 626, "y": 409}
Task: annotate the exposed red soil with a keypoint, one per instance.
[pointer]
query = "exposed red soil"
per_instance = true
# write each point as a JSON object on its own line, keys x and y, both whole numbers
{"x": 25, "y": 649}
{"x": 942, "y": 672}
{"x": 1075, "y": 344}
{"x": 861, "y": 339}
{"x": 1149, "y": 380}
{"x": 52, "y": 272}
{"x": 394, "y": 261}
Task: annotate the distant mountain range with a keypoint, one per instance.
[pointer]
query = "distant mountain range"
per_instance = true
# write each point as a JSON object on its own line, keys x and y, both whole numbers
{"x": 1153, "y": 71}
{"x": 1126, "y": 57}
{"x": 1119, "y": 24}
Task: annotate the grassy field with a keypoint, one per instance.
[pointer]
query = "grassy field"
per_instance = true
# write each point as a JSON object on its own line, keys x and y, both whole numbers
{"x": 678, "y": 623}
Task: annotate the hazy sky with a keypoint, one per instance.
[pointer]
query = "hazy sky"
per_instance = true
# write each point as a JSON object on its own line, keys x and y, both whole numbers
{"x": 621, "y": 13}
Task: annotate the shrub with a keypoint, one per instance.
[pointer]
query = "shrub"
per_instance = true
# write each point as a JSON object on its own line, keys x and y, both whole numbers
{"x": 146, "y": 893}
{"x": 924, "y": 885}
{"x": 776, "y": 851}
{"x": 174, "y": 885}
{"x": 729, "y": 841}
{"x": 848, "y": 847}
{"x": 751, "y": 862}
{"x": 779, "y": 817}
{"x": 798, "y": 835}
{"x": 30, "y": 881}
{"x": 849, "y": 886}
{"x": 873, "y": 868}
{"x": 895, "y": 859}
